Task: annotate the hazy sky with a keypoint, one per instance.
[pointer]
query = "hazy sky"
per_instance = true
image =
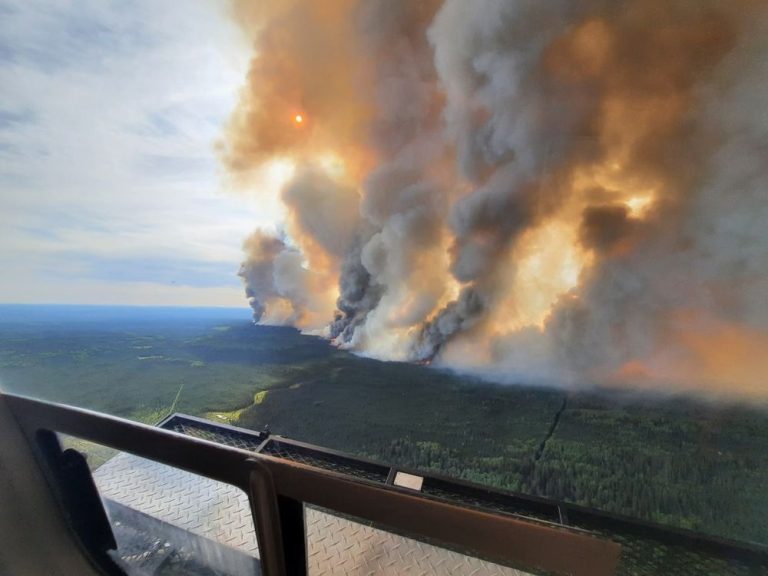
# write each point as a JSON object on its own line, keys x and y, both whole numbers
{"x": 110, "y": 189}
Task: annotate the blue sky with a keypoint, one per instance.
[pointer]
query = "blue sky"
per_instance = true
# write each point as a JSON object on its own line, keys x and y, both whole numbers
{"x": 110, "y": 189}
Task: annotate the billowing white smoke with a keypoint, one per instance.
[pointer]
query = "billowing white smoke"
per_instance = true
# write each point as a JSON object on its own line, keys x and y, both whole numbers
{"x": 562, "y": 191}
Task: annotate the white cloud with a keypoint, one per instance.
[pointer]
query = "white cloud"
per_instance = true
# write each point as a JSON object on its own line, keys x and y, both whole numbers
{"x": 111, "y": 113}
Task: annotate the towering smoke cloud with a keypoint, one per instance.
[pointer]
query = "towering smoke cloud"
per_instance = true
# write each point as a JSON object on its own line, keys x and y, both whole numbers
{"x": 565, "y": 192}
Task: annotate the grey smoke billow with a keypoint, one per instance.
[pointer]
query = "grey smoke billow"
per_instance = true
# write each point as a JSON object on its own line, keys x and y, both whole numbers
{"x": 274, "y": 272}
{"x": 326, "y": 211}
{"x": 562, "y": 191}
{"x": 258, "y": 271}
{"x": 357, "y": 294}
{"x": 456, "y": 317}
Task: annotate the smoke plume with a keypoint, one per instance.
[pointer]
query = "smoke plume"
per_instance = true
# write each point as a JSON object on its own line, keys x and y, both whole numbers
{"x": 560, "y": 192}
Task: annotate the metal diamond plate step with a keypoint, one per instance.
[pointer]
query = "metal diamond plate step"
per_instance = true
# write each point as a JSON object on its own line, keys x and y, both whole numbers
{"x": 337, "y": 546}
{"x": 219, "y": 512}
{"x": 199, "y": 505}
{"x": 147, "y": 546}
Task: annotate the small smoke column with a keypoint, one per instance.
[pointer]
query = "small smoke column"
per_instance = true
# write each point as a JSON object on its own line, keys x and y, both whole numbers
{"x": 565, "y": 192}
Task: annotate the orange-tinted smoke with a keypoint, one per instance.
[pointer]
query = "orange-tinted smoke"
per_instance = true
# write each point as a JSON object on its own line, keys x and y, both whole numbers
{"x": 306, "y": 66}
{"x": 527, "y": 190}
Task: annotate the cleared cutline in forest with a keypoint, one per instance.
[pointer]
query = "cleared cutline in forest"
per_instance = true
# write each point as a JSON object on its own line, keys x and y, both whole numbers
{"x": 551, "y": 432}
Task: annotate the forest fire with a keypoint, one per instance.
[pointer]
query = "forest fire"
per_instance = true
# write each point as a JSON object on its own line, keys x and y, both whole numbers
{"x": 556, "y": 192}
